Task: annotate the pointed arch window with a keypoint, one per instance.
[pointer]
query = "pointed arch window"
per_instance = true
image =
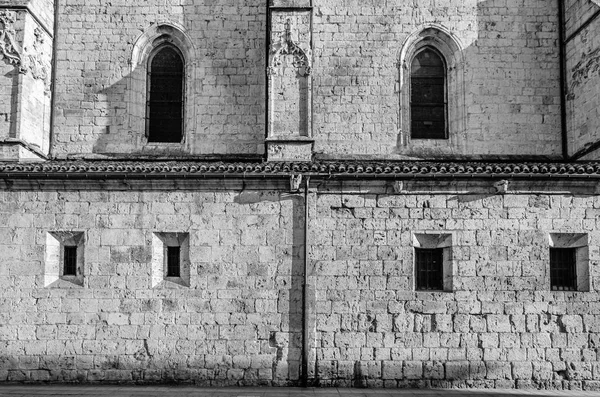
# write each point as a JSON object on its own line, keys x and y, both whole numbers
{"x": 428, "y": 93}
{"x": 164, "y": 105}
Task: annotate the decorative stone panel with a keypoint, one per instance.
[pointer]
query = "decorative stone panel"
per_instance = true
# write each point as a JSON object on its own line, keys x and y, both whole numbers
{"x": 290, "y": 86}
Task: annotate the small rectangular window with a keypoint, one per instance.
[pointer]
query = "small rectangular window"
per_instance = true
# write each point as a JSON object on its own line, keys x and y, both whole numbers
{"x": 429, "y": 269}
{"x": 563, "y": 269}
{"x": 173, "y": 260}
{"x": 70, "y": 260}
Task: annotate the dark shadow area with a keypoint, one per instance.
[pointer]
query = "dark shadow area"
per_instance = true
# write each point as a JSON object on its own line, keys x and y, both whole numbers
{"x": 288, "y": 340}
{"x": 225, "y": 90}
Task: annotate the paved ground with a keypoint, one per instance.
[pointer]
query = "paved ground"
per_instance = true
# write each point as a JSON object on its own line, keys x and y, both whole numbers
{"x": 166, "y": 391}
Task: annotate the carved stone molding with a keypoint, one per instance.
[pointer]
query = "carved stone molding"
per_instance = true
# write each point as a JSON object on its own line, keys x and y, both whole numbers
{"x": 287, "y": 46}
{"x": 8, "y": 43}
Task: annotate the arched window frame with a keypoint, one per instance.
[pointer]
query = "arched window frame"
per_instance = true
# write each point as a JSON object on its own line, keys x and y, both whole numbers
{"x": 145, "y": 47}
{"x": 442, "y": 41}
{"x": 151, "y": 57}
{"x": 445, "y": 94}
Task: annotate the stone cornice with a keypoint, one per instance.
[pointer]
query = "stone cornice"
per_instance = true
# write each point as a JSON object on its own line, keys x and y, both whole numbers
{"x": 321, "y": 169}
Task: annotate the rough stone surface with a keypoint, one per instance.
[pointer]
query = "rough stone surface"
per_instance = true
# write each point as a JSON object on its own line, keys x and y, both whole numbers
{"x": 510, "y": 64}
{"x": 240, "y": 313}
{"x": 511, "y": 77}
{"x": 500, "y": 324}
{"x": 238, "y": 322}
{"x": 94, "y": 52}
{"x": 583, "y": 75}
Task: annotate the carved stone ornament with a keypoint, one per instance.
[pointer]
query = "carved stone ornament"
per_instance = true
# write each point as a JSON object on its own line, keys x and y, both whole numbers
{"x": 501, "y": 186}
{"x": 35, "y": 62}
{"x": 8, "y": 42}
{"x": 287, "y": 46}
{"x": 295, "y": 181}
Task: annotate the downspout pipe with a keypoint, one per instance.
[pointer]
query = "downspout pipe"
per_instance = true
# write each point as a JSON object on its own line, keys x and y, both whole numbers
{"x": 305, "y": 289}
{"x": 563, "y": 80}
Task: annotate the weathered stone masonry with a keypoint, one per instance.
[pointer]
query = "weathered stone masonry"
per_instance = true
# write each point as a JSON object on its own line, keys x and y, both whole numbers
{"x": 240, "y": 319}
{"x": 236, "y": 322}
{"x": 298, "y": 198}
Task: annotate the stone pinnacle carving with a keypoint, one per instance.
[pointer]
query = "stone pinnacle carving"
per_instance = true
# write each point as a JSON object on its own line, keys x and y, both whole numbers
{"x": 35, "y": 62}
{"x": 8, "y": 43}
{"x": 287, "y": 46}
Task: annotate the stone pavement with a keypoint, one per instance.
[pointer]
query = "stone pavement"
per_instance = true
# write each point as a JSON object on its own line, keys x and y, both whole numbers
{"x": 176, "y": 391}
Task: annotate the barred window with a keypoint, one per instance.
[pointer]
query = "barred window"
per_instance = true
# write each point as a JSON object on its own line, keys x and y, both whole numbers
{"x": 429, "y": 269}
{"x": 70, "y": 260}
{"x": 173, "y": 261}
{"x": 563, "y": 269}
{"x": 428, "y": 95}
{"x": 164, "y": 107}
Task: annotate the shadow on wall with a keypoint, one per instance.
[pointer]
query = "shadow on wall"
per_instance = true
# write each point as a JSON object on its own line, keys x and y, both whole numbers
{"x": 224, "y": 86}
{"x": 517, "y": 94}
{"x": 509, "y": 74}
{"x": 287, "y": 274}
{"x": 512, "y": 82}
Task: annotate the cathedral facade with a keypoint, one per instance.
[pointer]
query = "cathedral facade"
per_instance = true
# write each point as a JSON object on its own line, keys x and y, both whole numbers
{"x": 389, "y": 193}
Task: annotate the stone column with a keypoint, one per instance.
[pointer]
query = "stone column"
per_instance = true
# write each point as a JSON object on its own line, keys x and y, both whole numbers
{"x": 289, "y": 81}
{"x": 26, "y": 44}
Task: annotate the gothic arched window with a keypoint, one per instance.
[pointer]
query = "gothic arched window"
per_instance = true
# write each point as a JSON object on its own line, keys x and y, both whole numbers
{"x": 164, "y": 104}
{"x": 428, "y": 105}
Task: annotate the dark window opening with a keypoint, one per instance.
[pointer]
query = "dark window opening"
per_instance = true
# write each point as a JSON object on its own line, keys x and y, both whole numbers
{"x": 563, "y": 273}
{"x": 70, "y": 261}
{"x": 428, "y": 96}
{"x": 165, "y": 96}
{"x": 173, "y": 261}
{"x": 429, "y": 268}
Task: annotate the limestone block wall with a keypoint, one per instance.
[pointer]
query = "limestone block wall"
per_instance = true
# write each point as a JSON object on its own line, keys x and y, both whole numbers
{"x": 237, "y": 321}
{"x": 499, "y": 325}
{"x": 509, "y": 67}
{"x": 42, "y": 9}
{"x": 506, "y": 65}
{"x": 101, "y": 110}
{"x": 582, "y": 77}
{"x": 25, "y": 59}
{"x": 576, "y": 12}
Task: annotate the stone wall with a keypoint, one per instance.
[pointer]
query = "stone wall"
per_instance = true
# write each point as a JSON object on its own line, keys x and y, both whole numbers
{"x": 99, "y": 109}
{"x": 508, "y": 87}
{"x": 582, "y": 77}
{"x": 25, "y": 63}
{"x": 237, "y": 321}
{"x": 510, "y": 70}
{"x": 499, "y": 326}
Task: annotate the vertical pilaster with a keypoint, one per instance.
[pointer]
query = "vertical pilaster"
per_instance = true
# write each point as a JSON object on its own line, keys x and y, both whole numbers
{"x": 26, "y": 44}
{"x": 289, "y": 116}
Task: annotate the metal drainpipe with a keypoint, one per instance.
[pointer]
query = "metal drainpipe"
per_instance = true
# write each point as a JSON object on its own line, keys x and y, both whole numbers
{"x": 305, "y": 311}
{"x": 563, "y": 79}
